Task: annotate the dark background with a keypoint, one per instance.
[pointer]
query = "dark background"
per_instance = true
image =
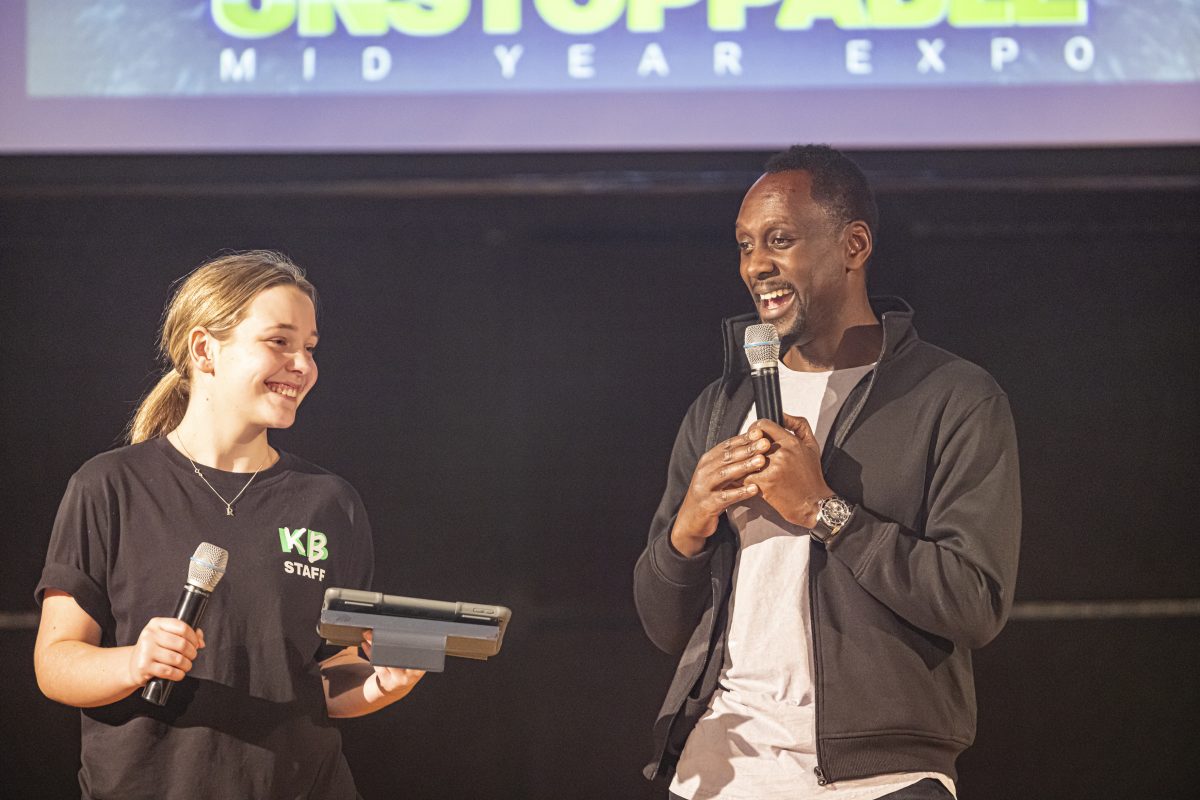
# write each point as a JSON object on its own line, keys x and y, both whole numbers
{"x": 508, "y": 345}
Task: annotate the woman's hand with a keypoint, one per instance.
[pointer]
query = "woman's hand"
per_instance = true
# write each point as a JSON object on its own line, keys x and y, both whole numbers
{"x": 392, "y": 682}
{"x": 354, "y": 687}
{"x": 73, "y": 668}
{"x": 166, "y": 648}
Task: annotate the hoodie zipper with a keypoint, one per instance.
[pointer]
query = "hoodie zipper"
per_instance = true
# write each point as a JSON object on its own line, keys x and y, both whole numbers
{"x": 840, "y": 434}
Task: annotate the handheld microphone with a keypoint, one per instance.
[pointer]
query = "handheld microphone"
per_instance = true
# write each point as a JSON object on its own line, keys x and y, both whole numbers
{"x": 762, "y": 351}
{"x": 205, "y": 569}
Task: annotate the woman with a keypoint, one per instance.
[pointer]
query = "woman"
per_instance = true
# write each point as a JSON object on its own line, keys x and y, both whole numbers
{"x": 249, "y": 714}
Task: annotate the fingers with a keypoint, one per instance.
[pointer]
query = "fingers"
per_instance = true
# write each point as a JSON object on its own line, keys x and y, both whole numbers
{"x": 734, "y": 453}
{"x": 733, "y": 459}
{"x": 391, "y": 679}
{"x": 394, "y": 679}
{"x": 797, "y": 425}
{"x": 793, "y": 429}
{"x": 731, "y": 444}
{"x": 717, "y": 489}
{"x": 166, "y": 649}
{"x": 177, "y": 629}
{"x": 731, "y": 475}
{"x": 719, "y": 478}
{"x": 174, "y": 635}
{"x": 718, "y": 482}
{"x": 734, "y": 494}
{"x": 792, "y": 423}
{"x": 770, "y": 429}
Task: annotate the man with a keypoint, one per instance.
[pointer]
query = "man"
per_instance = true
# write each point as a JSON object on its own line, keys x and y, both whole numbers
{"x": 825, "y": 581}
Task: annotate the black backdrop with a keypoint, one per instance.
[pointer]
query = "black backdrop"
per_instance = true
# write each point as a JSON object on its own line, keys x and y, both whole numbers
{"x": 508, "y": 344}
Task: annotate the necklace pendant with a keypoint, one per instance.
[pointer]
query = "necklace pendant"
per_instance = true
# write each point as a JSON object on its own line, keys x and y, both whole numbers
{"x": 229, "y": 511}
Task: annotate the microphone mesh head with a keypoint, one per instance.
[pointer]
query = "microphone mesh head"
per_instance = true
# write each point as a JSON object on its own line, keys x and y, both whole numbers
{"x": 762, "y": 346}
{"x": 207, "y": 566}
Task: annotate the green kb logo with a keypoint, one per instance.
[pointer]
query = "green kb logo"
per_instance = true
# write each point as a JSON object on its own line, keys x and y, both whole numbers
{"x": 310, "y": 544}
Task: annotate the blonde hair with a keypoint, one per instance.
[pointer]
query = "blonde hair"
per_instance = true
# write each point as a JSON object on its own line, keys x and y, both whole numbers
{"x": 214, "y": 296}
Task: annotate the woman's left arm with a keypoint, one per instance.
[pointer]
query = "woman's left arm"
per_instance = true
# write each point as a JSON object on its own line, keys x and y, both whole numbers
{"x": 354, "y": 688}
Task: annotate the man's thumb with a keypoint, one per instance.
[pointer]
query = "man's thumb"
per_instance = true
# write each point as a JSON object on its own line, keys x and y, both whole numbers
{"x": 797, "y": 425}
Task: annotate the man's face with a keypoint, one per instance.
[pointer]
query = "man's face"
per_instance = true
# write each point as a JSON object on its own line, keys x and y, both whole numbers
{"x": 791, "y": 257}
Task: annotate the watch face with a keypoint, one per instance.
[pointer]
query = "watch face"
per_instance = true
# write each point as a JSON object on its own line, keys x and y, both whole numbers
{"x": 834, "y": 512}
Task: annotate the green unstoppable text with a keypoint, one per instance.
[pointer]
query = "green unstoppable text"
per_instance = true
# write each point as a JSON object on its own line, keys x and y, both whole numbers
{"x": 241, "y": 18}
{"x": 248, "y": 20}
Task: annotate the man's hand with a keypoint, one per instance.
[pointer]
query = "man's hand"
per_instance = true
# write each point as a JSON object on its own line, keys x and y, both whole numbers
{"x": 718, "y": 482}
{"x": 792, "y": 482}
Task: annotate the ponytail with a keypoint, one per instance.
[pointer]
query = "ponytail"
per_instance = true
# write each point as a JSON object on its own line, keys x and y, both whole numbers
{"x": 161, "y": 411}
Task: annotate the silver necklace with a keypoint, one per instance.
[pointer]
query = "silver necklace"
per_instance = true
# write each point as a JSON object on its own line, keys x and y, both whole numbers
{"x": 228, "y": 503}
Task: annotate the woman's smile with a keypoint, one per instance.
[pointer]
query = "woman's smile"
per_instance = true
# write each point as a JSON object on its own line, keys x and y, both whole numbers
{"x": 289, "y": 390}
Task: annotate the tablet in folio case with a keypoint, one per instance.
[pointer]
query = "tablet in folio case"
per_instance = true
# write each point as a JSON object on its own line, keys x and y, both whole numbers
{"x": 472, "y": 630}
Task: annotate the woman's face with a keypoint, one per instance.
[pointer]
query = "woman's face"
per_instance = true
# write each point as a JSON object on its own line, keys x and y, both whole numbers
{"x": 265, "y": 367}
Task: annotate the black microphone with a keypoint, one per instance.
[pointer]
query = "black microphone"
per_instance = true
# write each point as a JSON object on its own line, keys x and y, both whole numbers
{"x": 205, "y": 569}
{"x": 762, "y": 351}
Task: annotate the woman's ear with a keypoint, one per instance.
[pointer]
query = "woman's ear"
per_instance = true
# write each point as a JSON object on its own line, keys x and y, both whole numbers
{"x": 202, "y": 347}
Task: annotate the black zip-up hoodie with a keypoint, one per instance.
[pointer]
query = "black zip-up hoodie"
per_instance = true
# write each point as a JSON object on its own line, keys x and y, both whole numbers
{"x": 921, "y": 574}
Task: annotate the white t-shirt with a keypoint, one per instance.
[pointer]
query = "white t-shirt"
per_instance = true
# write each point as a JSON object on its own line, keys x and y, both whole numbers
{"x": 757, "y": 740}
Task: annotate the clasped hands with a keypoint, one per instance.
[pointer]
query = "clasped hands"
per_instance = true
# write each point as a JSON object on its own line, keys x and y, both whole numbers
{"x": 781, "y": 463}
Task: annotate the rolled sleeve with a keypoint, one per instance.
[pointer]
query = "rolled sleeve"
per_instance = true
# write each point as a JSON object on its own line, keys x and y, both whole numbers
{"x": 77, "y": 558}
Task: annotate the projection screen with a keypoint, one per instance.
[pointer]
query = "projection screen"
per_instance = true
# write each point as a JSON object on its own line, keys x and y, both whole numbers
{"x": 571, "y": 75}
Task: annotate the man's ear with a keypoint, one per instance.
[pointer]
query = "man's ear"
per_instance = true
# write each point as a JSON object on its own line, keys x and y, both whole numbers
{"x": 858, "y": 244}
{"x": 202, "y": 347}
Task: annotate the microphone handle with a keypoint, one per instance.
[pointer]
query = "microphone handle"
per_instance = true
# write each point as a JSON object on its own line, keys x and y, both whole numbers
{"x": 189, "y": 609}
{"x": 766, "y": 394}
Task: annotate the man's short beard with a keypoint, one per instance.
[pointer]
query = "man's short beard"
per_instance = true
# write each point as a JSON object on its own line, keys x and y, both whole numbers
{"x": 794, "y": 331}
{"x": 791, "y": 339}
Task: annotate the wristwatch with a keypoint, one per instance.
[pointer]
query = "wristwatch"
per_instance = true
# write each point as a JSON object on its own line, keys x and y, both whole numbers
{"x": 832, "y": 513}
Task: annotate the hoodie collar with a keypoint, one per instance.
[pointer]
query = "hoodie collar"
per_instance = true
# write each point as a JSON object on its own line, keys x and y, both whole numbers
{"x": 894, "y": 313}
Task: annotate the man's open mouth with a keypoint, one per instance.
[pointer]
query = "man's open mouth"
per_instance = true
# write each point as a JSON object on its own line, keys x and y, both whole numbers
{"x": 774, "y": 302}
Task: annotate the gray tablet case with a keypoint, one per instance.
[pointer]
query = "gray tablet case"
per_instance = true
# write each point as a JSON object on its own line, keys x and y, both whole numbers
{"x": 411, "y": 632}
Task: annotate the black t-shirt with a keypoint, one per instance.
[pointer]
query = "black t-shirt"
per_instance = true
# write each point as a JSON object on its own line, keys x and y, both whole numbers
{"x": 250, "y": 718}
